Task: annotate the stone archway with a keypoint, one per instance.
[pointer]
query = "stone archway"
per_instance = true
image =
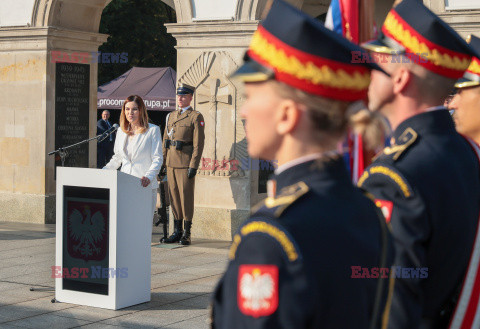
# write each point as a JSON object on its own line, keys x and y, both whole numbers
{"x": 216, "y": 37}
{"x": 27, "y": 74}
{"x": 27, "y": 184}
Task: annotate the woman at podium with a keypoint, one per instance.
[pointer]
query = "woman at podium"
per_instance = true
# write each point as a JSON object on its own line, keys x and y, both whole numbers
{"x": 138, "y": 146}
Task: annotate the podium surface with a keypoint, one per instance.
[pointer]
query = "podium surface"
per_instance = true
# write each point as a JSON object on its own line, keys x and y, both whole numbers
{"x": 103, "y": 238}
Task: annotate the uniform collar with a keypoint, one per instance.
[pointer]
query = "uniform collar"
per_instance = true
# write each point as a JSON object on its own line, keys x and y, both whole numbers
{"x": 310, "y": 171}
{"x": 297, "y": 161}
{"x": 183, "y": 109}
{"x": 436, "y": 119}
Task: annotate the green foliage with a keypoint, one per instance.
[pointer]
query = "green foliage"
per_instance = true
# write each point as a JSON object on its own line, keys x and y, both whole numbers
{"x": 137, "y": 27}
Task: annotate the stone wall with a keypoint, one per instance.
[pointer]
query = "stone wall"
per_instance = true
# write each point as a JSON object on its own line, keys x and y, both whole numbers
{"x": 27, "y": 133}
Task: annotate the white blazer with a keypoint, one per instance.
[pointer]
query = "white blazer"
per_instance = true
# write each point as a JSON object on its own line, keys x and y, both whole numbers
{"x": 147, "y": 155}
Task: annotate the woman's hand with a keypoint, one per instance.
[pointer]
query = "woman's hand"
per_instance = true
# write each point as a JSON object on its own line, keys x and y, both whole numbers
{"x": 145, "y": 181}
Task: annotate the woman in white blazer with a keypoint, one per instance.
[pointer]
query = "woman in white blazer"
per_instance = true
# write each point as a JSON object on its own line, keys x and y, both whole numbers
{"x": 138, "y": 145}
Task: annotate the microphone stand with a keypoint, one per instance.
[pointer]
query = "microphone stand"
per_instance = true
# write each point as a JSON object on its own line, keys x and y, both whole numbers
{"x": 62, "y": 151}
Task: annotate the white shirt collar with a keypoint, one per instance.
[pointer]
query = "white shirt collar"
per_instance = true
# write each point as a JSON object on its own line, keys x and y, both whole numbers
{"x": 436, "y": 108}
{"x": 298, "y": 161}
{"x": 183, "y": 109}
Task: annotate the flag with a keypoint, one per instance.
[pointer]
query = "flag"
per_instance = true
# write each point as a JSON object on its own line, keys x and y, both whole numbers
{"x": 353, "y": 19}
{"x": 343, "y": 18}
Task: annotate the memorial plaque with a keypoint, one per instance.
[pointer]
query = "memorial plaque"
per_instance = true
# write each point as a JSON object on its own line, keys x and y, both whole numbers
{"x": 72, "y": 94}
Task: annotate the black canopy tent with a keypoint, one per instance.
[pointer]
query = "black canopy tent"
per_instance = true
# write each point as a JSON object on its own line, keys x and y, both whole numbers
{"x": 156, "y": 86}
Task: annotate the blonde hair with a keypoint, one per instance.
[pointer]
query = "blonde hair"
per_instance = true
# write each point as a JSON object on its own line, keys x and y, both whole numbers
{"x": 143, "y": 120}
{"x": 371, "y": 126}
{"x": 332, "y": 118}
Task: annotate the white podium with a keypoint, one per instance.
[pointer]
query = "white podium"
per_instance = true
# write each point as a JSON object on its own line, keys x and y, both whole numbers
{"x": 103, "y": 238}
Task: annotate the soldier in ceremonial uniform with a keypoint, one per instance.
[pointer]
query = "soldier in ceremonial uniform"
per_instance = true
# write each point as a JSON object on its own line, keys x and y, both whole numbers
{"x": 183, "y": 142}
{"x": 466, "y": 102}
{"x": 292, "y": 263}
{"x": 427, "y": 182}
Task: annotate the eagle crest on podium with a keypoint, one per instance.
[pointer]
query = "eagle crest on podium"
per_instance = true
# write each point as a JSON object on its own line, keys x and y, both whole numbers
{"x": 86, "y": 231}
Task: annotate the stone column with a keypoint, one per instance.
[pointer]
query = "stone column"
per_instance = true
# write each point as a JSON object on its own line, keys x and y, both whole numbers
{"x": 27, "y": 131}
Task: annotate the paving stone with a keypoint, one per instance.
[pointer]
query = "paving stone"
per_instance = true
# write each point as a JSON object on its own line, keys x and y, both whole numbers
{"x": 28, "y": 234}
{"x": 7, "y": 285}
{"x": 10, "y": 262}
{"x": 22, "y": 294}
{"x": 163, "y": 297}
{"x": 9, "y": 326}
{"x": 43, "y": 278}
{"x": 161, "y": 255}
{"x": 159, "y": 316}
{"x": 202, "y": 270}
{"x": 22, "y": 250}
{"x": 191, "y": 288}
{"x": 196, "y": 303}
{"x": 182, "y": 282}
{"x": 30, "y": 308}
{"x": 195, "y": 260}
{"x": 165, "y": 267}
{"x": 201, "y": 322}
{"x": 31, "y": 227}
{"x": 209, "y": 280}
{"x": 20, "y": 270}
{"x": 92, "y": 314}
{"x": 39, "y": 280}
{"x": 105, "y": 326}
{"x": 167, "y": 246}
{"x": 49, "y": 321}
{"x": 170, "y": 278}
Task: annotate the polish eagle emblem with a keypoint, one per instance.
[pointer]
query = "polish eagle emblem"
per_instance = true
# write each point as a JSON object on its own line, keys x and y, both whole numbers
{"x": 386, "y": 207}
{"x": 258, "y": 289}
{"x": 86, "y": 231}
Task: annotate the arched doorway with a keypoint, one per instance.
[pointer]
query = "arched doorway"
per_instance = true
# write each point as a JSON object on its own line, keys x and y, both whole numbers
{"x": 211, "y": 37}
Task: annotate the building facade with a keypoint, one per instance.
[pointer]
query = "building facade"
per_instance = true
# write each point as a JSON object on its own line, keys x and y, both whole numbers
{"x": 212, "y": 36}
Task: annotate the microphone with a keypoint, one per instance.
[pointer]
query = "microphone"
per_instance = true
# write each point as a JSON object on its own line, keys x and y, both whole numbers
{"x": 107, "y": 133}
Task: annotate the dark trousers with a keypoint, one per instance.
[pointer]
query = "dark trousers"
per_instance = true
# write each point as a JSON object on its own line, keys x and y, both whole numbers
{"x": 104, "y": 154}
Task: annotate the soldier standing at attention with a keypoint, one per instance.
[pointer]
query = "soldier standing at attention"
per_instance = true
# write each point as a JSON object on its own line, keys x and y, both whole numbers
{"x": 427, "y": 181}
{"x": 291, "y": 262}
{"x": 183, "y": 142}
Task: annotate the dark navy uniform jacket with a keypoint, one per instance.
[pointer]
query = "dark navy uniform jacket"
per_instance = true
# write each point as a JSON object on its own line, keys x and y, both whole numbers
{"x": 291, "y": 261}
{"x": 428, "y": 182}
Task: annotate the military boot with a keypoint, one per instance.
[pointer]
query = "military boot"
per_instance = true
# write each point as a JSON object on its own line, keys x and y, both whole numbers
{"x": 177, "y": 233}
{"x": 185, "y": 240}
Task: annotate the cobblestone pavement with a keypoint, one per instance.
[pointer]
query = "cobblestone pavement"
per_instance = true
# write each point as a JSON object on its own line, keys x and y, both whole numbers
{"x": 182, "y": 282}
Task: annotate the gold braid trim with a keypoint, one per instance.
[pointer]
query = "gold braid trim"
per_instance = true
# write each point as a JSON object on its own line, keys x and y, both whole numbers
{"x": 394, "y": 176}
{"x": 317, "y": 75}
{"x": 362, "y": 178}
{"x": 274, "y": 232}
{"x": 414, "y": 45}
{"x": 233, "y": 248}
